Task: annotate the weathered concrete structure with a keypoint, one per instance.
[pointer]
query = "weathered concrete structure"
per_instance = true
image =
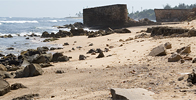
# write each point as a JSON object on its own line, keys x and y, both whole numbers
{"x": 171, "y": 15}
{"x": 106, "y": 16}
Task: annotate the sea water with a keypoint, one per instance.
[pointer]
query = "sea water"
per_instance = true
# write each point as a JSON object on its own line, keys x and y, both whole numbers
{"x": 20, "y": 26}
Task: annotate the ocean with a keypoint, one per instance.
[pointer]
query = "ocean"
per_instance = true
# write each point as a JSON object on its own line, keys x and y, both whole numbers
{"x": 20, "y": 26}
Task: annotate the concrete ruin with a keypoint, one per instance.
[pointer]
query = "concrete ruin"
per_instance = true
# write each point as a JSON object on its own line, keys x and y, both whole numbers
{"x": 171, "y": 15}
{"x": 106, "y": 16}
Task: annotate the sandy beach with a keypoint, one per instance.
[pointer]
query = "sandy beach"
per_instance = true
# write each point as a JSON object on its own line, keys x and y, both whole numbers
{"x": 126, "y": 65}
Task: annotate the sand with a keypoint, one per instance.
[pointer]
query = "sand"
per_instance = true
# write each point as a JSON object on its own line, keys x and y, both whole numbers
{"x": 128, "y": 66}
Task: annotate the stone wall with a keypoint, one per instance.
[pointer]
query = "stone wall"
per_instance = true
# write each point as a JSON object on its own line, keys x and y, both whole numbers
{"x": 171, "y": 15}
{"x": 106, "y": 16}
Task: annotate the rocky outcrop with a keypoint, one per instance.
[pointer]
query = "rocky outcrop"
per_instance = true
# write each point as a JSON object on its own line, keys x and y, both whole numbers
{"x": 4, "y": 87}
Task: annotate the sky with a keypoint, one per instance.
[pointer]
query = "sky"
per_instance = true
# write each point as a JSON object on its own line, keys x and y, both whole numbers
{"x": 66, "y": 8}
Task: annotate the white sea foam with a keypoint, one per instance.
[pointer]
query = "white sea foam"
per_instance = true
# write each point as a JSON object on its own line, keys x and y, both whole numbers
{"x": 19, "y": 21}
{"x": 0, "y": 23}
{"x": 62, "y": 20}
{"x": 53, "y": 21}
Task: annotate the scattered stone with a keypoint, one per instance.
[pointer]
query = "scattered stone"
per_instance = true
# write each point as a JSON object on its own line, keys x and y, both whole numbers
{"x": 129, "y": 39}
{"x": 16, "y": 86}
{"x": 184, "y": 50}
{"x": 63, "y": 58}
{"x": 82, "y": 57}
{"x": 182, "y": 61}
{"x": 10, "y": 48}
{"x": 158, "y": 51}
{"x": 180, "y": 78}
{"x": 2, "y": 67}
{"x": 124, "y": 30}
{"x": 194, "y": 60}
{"x": 4, "y": 87}
{"x": 174, "y": 58}
{"x": 26, "y": 97}
{"x": 101, "y": 55}
{"x": 91, "y": 44}
{"x": 4, "y": 74}
{"x": 60, "y": 71}
{"x": 131, "y": 94}
{"x": 27, "y": 38}
{"x": 106, "y": 50}
{"x": 91, "y": 51}
{"x": 143, "y": 35}
{"x": 65, "y": 44}
{"x": 192, "y": 77}
{"x": 168, "y": 45}
{"x": 109, "y": 31}
{"x": 187, "y": 58}
{"x": 72, "y": 48}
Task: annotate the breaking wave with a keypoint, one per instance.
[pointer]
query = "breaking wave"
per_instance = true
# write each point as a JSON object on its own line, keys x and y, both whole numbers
{"x": 19, "y": 21}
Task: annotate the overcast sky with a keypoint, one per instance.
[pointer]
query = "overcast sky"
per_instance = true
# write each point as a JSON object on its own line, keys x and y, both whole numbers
{"x": 64, "y": 8}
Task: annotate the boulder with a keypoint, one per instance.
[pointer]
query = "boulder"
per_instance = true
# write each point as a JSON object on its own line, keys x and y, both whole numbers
{"x": 4, "y": 87}
{"x": 158, "y": 51}
{"x": 124, "y": 30}
{"x": 101, "y": 55}
{"x": 65, "y": 44}
{"x": 108, "y": 31}
{"x": 56, "y": 56}
{"x": 77, "y": 32}
{"x": 184, "y": 50}
{"x": 131, "y": 94}
{"x": 43, "y": 50}
{"x": 16, "y": 86}
{"x": 98, "y": 50}
{"x": 63, "y": 58}
{"x": 2, "y": 67}
{"x": 174, "y": 58}
{"x": 82, "y": 57}
{"x": 29, "y": 71}
{"x": 45, "y": 34}
{"x": 91, "y": 51}
{"x": 168, "y": 45}
{"x": 192, "y": 32}
{"x": 4, "y": 74}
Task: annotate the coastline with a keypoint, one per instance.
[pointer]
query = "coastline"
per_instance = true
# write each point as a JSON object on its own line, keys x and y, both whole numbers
{"x": 92, "y": 78}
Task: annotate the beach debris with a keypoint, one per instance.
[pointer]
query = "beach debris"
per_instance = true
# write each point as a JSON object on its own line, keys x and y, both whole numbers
{"x": 4, "y": 87}
{"x": 174, "y": 58}
{"x": 65, "y": 44}
{"x": 82, "y": 57}
{"x": 101, "y": 55}
{"x": 26, "y": 97}
{"x": 16, "y": 86}
{"x": 158, "y": 51}
{"x": 168, "y": 45}
{"x": 184, "y": 50}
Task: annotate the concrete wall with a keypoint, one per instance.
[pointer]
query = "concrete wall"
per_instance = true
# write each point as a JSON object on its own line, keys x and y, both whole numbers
{"x": 171, "y": 15}
{"x": 105, "y": 16}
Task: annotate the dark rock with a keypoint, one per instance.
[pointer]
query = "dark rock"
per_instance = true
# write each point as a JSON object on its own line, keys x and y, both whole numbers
{"x": 4, "y": 74}
{"x": 78, "y": 32}
{"x": 192, "y": 32}
{"x": 90, "y": 44}
{"x": 49, "y": 40}
{"x": 82, "y": 57}
{"x": 2, "y": 67}
{"x": 45, "y": 34}
{"x": 27, "y": 38}
{"x": 168, "y": 45}
{"x": 98, "y": 50}
{"x": 192, "y": 77}
{"x": 30, "y": 52}
{"x": 124, "y": 30}
{"x": 43, "y": 65}
{"x": 60, "y": 71}
{"x": 26, "y": 97}
{"x": 108, "y": 31}
{"x": 10, "y": 48}
{"x": 158, "y": 51}
{"x": 4, "y": 87}
{"x": 78, "y": 25}
{"x": 40, "y": 59}
{"x": 16, "y": 86}
{"x": 101, "y": 55}
{"x": 56, "y": 56}
{"x": 91, "y": 51}
{"x": 106, "y": 50}
{"x": 43, "y": 50}
{"x": 63, "y": 58}
{"x": 184, "y": 50}
{"x": 13, "y": 68}
{"x": 143, "y": 35}
{"x": 65, "y": 44}
{"x": 1, "y": 55}
{"x": 194, "y": 60}
{"x": 182, "y": 61}
{"x": 149, "y": 30}
{"x": 174, "y": 58}
{"x": 72, "y": 48}
{"x": 52, "y": 48}
{"x": 180, "y": 78}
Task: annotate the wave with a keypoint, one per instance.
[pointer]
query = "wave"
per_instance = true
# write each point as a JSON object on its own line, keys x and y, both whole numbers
{"x": 53, "y": 21}
{"x": 19, "y": 21}
{"x": 0, "y": 23}
{"x": 62, "y": 20}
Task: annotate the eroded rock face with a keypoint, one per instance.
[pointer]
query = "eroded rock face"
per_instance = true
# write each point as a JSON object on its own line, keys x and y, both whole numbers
{"x": 4, "y": 87}
{"x": 158, "y": 51}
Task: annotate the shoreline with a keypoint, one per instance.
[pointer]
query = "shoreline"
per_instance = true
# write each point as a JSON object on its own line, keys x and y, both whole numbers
{"x": 128, "y": 66}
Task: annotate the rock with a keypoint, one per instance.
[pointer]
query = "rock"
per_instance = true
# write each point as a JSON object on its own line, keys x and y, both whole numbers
{"x": 60, "y": 71}
{"x": 16, "y": 86}
{"x": 4, "y": 74}
{"x": 49, "y": 40}
{"x": 78, "y": 25}
{"x": 90, "y": 44}
{"x": 106, "y": 50}
{"x": 91, "y": 51}
{"x": 43, "y": 50}
{"x": 2, "y": 67}
{"x": 4, "y": 87}
{"x": 10, "y": 48}
{"x": 187, "y": 58}
{"x": 63, "y": 58}
{"x": 168, "y": 45}
{"x": 124, "y": 30}
{"x": 82, "y": 57}
{"x": 72, "y": 48}
{"x": 131, "y": 94}
{"x": 26, "y": 97}
{"x": 43, "y": 65}
{"x": 1, "y": 55}
{"x": 174, "y": 58}
{"x": 29, "y": 71}
{"x": 143, "y": 35}
{"x": 192, "y": 77}
{"x": 40, "y": 59}
{"x": 56, "y": 56}
{"x": 77, "y": 32}
{"x": 108, "y": 31}
{"x": 101, "y": 55}
{"x": 180, "y": 78}
{"x": 27, "y": 38}
{"x": 129, "y": 39}
{"x": 182, "y": 61}
{"x": 45, "y": 34}
{"x": 184, "y": 50}
{"x": 158, "y": 51}
{"x": 194, "y": 60}
{"x": 192, "y": 32}
{"x": 65, "y": 44}
{"x": 98, "y": 50}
